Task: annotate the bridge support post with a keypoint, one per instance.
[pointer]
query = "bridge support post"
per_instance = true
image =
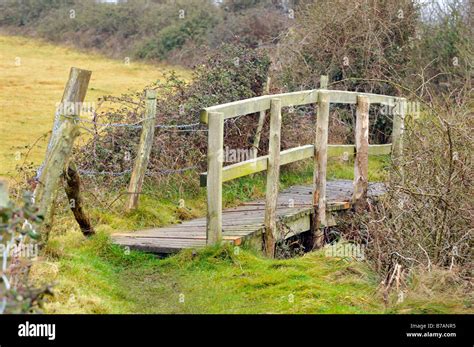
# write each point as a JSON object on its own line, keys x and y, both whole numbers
{"x": 143, "y": 152}
{"x": 270, "y": 236}
{"x": 320, "y": 164}
{"x": 361, "y": 162}
{"x": 261, "y": 122}
{"x": 214, "y": 177}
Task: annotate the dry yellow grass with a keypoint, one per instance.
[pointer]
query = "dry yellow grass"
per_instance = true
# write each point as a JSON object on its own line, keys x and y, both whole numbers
{"x": 32, "y": 78}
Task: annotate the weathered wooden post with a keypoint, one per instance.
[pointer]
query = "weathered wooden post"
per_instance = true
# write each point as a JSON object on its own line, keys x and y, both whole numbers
{"x": 323, "y": 82}
{"x": 61, "y": 144}
{"x": 73, "y": 192}
{"x": 143, "y": 152}
{"x": 214, "y": 177}
{"x": 270, "y": 236}
{"x": 320, "y": 164}
{"x": 361, "y": 163}
{"x": 3, "y": 193}
{"x": 398, "y": 128}
{"x": 261, "y": 122}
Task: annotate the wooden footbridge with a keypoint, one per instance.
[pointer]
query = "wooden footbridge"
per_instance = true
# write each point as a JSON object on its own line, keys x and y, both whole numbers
{"x": 263, "y": 223}
{"x": 281, "y": 214}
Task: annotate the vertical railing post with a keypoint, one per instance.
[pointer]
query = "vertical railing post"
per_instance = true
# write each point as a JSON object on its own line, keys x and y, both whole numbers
{"x": 261, "y": 122}
{"x": 143, "y": 152}
{"x": 323, "y": 82}
{"x": 320, "y": 164}
{"x": 270, "y": 236}
{"x": 398, "y": 127}
{"x": 361, "y": 163}
{"x": 214, "y": 177}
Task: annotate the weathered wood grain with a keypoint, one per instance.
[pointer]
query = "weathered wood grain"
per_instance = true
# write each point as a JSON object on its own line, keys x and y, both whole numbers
{"x": 320, "y": 164}
{"x": 273, "y": 178}
{"x": 214, "y": 177}
{"x": 143, "y": 153}
{"x": 361, "y": 162}
{"x": 62, "y": 141}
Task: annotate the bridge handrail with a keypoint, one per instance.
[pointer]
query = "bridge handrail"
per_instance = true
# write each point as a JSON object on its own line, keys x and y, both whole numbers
{"x": 299, "y": 98}
{"x": 217, "y": 174}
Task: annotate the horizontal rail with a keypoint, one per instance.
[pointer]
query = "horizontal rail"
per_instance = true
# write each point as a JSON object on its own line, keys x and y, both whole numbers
{"x": 248, "y": 167}
{"x": 262, "y": 103}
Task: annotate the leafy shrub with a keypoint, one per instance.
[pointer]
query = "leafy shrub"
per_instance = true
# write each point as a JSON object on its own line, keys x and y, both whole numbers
{"x": 231, "y": 73}
{"x": 17, "y": 240}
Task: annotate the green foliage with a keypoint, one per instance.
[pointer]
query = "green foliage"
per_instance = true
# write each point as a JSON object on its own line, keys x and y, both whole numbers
{"x": 17, "y": 241}
{"x": 231, "y": 73}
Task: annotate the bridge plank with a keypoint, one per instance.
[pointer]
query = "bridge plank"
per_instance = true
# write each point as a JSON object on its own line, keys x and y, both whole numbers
{"x": 242, "y": 222}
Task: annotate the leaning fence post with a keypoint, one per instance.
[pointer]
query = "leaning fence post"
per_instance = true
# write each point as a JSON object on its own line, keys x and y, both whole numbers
{"x": 143, "y": 152}
{"x": 61, "y": 144}
{"x": 361, "y": 163}
{"x": 261, "y": 122}
{"x": 214, "y": 177}
{"x": 270, "y": 236}
{"x": 320, "y": 164}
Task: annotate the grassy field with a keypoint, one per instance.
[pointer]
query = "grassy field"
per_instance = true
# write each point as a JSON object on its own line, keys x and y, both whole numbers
{"x": 32, "y": 79}
{"x": 93, "y": 276}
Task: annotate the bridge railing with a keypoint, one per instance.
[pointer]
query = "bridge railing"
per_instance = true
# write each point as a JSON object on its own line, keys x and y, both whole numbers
{"x": 217, "y": 174}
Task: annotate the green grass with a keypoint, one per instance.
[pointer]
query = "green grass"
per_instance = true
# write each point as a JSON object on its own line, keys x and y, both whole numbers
{"x": 95, "y": 277}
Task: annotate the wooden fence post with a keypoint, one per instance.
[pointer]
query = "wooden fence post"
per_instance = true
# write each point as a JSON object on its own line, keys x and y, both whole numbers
{"x": 320, "y": 164}
{"x": 62, "y": 141}
{"x": 261, "y": 122}
{"x": 270, "y": 236}
{"x": 214, "y": 177}
{"x": 4, "y": 193}
{"x": 143, "y": 152}
{"x": 361, "y": 162}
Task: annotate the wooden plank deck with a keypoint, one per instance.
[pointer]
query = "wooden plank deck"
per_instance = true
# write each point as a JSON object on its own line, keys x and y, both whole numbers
{"x": 244, "y": 221}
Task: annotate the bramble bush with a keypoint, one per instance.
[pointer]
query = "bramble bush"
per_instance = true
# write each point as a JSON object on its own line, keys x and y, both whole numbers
{"x": 18, "y": 246}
